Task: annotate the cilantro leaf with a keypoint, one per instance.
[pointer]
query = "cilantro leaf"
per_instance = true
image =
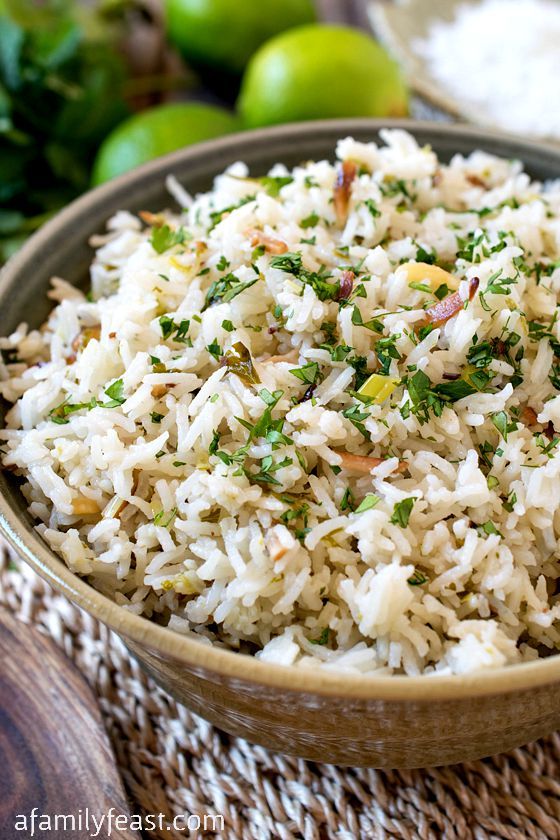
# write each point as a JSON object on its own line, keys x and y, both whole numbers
{"x": 216, "y": 216}
{"x": 238, "y": 361}
{"x": 309, "y": 221}
{"x": 274, "y": 183}
{"x": 291, "y": 263}
{"x": 369, "y": 502}
{"x": 163, "y": 238}
{"x": 372, "y": 207}
{"x": 323, "y": 638}
{"x": 417, "y": 579}
{"x": 115, "y": 392}
{"x": 226, "y": 289}
{"x": 308, "y": 373}
{"x": 402, "y": 511}
{"x": 356, "y": 416}
{"x": 167, "y": 325}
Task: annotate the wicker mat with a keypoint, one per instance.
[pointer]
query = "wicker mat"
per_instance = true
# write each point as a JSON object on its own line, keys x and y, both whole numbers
{"x": 173, "y": 762}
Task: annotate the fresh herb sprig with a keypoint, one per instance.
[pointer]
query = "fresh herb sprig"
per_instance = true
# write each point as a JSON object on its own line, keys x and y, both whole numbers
{"x": 53, "y": 77}
{"x": 320, "y": 281}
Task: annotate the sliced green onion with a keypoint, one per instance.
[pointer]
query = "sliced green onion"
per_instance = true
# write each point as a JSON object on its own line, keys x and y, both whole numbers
{"x": 378, "y": 387}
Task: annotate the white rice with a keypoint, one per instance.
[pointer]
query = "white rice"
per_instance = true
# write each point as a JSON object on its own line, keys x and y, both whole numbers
{"x": 500, "y": 60}
{"x": 167, "y": 498}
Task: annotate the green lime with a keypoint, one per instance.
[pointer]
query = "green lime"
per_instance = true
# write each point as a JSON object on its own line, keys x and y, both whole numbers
{"x": 320, "y": 71}
{"x": 156, "y": 132}
{"x": 225, "y": 33}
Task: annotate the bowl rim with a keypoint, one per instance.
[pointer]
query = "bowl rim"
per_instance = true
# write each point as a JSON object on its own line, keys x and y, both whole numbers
{"x": 212, "y": 661}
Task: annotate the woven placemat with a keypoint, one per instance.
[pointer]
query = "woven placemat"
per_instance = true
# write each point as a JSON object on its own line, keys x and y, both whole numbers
{"x": 173, "y": 762}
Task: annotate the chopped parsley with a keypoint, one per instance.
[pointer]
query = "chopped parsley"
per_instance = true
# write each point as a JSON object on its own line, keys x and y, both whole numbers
{"x": 369, "y": 502}
{"x": 164, "y": 520}
{"x": 374, "y": 325}
{"x": 216, "y": 216}
{"x": 163, "y": 238}
{"x": 238, "y": 361}
{"x": 442, "y": 291}
{"x": 227, "y": 288}
{"x": 502, "y": 423}
{"x": 61, "y": 412}
{"x": 182, "y": 330}
{"x": 372, "y": 207}
{"x": 265, "y": 423}
{"x": 488, "y": 528}
{"x": 310, "y": 221}
{"x": 547, "y": 447}
{"x": 424, "y": 256}
{"x": 417, "y": 579}
{"x": 395, "y": 187}
{"x": 426, "y": 397}
{"x": 347, "y": 501}
{"x": 356, "y": 415}
{"x": 215, "y": 350}
{"x": 293, "y": 515}
{"x": 291, "y": 263}
{"x": 168, "y": 326}
{"x": 274, "y": 183}
{"x": 323, "y": 638}
{"x": 115, "y": 393}
{"x": 511, "y": 500}
{"x": 267, "y": 468}
{"x": 402, "y": 511}
{"x": 308, "y": 373}
{"x": 386, "y": 350}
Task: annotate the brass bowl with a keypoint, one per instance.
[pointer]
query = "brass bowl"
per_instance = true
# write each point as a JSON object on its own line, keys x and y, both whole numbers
{"x": 321, "y": 715}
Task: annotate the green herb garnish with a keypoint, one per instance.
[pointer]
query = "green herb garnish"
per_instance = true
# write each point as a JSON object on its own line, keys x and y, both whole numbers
{"x": 310, "y": 221}
{"x": 239, "y": 361}
{"x": 369, "y": 502}
{"x": 163, "y": 238}
{"x": 323, "y": 638}
{"x": 402, "y": 511}
{"x": 417, "y": 579}
{"x": 226, "y": 289}
{"x": 308, "y": 373}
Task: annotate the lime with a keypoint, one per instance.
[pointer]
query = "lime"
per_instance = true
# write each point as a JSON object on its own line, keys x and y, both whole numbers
{"x": 321, "y": 71}
{"x": 156, "y": 132}
{"x": 225, "y": 33}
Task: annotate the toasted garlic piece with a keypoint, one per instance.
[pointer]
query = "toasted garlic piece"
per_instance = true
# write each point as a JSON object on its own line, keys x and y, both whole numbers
{"x": 418, "y": 271}
{"x": 364, "y": 463}
{"x": 83, "y": 506}
{"x": 447, "y": 308}
{"x": 85, "y": 336}
{"x": 270, "y": 243}
{"x": 154, "y": 219}
{"x": 347, "y": 171}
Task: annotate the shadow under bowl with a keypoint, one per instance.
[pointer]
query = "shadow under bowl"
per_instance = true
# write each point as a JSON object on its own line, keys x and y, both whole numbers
{"x": 322, "y": 715}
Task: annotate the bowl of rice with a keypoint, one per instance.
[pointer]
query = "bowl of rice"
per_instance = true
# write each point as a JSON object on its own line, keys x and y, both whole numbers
{"x": 283, "y": 411}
